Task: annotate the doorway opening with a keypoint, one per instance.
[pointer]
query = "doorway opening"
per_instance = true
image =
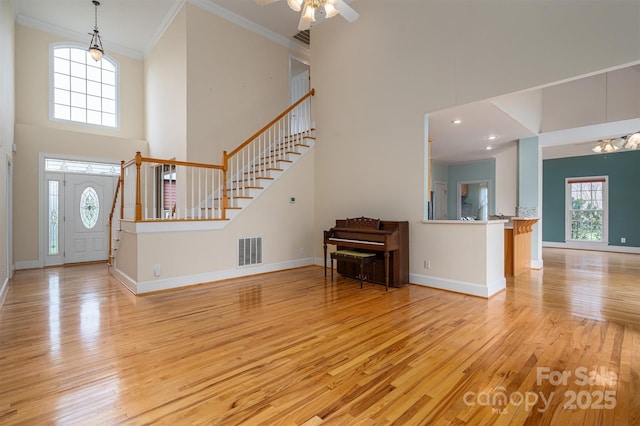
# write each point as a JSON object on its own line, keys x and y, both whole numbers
{"x": 299, "y": 85}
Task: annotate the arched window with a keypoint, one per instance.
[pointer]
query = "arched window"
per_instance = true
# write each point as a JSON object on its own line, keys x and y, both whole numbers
{"x": 83, "y": 90}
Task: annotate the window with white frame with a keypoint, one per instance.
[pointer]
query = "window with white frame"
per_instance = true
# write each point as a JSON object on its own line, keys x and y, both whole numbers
{"x": 587, "y": 209}
{"x": 83, "y": 90}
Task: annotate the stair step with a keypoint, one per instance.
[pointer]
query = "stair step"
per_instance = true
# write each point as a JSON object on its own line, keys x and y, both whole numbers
{"x": 269, "y": 162}
{"x": 243, "y": 197}
{"x": 301, "y": 134}
{"x": 275, "y": 156}
{"x": 268, "y": 169}
{"x": 251, "y": 179}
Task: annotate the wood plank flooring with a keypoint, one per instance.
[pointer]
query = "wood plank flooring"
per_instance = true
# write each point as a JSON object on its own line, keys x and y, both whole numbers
{"x": 559, "y": 346}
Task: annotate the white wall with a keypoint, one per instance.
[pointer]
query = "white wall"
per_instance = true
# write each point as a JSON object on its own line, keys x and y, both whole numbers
{"x": 603, "y": 98}
{"x": 190, "y": 257}
{"x": 468, "y": 257}
{"x": 7, "y": 111}
{"x": 237, "y": 82}
{"x": 165, "y": 69}
{"x": 377, "y": 77}
{"x": 35, "y": 133}
{"x": 507, "y": 181}
{"x": 211, "y": 84}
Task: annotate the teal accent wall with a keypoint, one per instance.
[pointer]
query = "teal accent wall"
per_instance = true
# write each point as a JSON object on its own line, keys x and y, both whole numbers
{"x": 465, "y": 172}
{"x": 439, "y": 173}
{"x": 623, "y": 169}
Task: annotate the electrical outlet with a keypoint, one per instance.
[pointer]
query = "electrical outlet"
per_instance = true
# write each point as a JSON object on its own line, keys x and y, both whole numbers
{"x": 301, "y": 251}
{"x": 623, "y": 240}
{"x": 156, "y": 269}
{"x": 427, "y": 264}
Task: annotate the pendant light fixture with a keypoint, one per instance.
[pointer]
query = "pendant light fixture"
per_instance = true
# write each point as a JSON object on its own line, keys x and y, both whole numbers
{"x": 95, "y": 46}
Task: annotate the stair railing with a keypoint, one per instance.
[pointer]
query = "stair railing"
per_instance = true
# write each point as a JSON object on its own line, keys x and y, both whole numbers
{"x": 153, "y": 189}
{"x": 111, "y": 214}
{"x": 266, "y": 149}
{"x": 170, "y": 190}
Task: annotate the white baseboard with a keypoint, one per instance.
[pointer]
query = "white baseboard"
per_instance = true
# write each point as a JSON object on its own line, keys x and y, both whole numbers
{"x": 537, "y": 264}
{"x": 206, "y": 277}
{"x": 28, "y": 264}
{"x": 473, "y": 289}
{"x": 4, "y": 289}
{"x": 124, "y": 279}
{"x": 587, "y": 246}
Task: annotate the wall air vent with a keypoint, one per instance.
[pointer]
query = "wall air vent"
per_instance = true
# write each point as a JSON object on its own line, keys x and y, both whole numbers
{"x": 303, "y": 36}
{"x": 249, "y": 251}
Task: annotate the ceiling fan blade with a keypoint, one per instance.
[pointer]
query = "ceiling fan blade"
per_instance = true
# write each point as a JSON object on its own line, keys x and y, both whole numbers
{"x": 303, "y": 24}
{"x": 345, "y": 10}
{"x": 265, "y": 2}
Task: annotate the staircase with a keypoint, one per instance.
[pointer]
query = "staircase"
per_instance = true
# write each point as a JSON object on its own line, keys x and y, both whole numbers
{"x": 215, "y": 194}
{"x": 253, "y": 180}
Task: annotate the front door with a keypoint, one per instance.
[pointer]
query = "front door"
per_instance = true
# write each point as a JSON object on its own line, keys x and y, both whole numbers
{"x": 87, "y": 201}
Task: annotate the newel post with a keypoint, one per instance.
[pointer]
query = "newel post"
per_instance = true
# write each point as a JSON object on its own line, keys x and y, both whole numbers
{"x": 121, "y": 183}
{"x": 225, "y": 197}
{"x": 138, "y": 203}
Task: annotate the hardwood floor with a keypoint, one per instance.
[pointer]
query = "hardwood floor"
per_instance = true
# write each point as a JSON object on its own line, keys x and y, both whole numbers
{"x": 559, "y": 346}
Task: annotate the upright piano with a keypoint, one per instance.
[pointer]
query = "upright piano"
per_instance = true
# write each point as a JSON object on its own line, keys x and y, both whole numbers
{"x": 389, "y": 240}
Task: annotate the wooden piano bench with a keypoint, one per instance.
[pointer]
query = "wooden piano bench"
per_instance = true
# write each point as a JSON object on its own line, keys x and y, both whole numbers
{"x": 361, "y": 258}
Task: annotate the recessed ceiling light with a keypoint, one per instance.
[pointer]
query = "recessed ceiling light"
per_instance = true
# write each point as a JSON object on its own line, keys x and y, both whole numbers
{"x": 488, "y": 148}
{"x": 492, "y": 137}
{"x": 456, "y": 121}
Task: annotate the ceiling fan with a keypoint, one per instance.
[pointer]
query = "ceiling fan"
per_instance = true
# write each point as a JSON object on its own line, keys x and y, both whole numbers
{"x": 312, "y": 8}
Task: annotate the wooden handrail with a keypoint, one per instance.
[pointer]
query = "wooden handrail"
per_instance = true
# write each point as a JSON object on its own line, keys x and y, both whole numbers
{"x": 181, "y": 163}
{"x": 271, "y": 123}
{"x": 139, "y": 159}
{"x": 113, "y": 209}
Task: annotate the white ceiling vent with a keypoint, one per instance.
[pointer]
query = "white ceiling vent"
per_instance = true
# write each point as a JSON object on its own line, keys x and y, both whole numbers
{"x": 249, "y": 251}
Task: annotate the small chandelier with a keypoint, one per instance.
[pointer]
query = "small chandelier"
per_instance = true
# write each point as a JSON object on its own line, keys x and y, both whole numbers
{"x": 95, "y": 46}
{"x": 630, "y": 141}
{"x": 605, "y": 145}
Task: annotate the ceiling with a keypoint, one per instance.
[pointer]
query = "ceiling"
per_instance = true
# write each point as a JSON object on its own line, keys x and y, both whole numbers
{"x": 132, "y": 27}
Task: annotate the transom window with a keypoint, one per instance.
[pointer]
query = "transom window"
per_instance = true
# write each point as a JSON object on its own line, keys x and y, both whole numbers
{"x": 83, "y": 90}
{"x": 587, "y": 209}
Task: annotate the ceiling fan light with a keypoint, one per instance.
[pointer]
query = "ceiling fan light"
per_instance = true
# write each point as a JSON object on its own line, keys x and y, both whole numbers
{"x": 597, "y": 149}
{"x": 329, "y": 10}
{"x": 295, "y": 5}
{"x": 309, "y": 13}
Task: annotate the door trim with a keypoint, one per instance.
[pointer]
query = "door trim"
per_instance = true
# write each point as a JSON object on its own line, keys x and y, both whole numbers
{"x": 42, "y": 204}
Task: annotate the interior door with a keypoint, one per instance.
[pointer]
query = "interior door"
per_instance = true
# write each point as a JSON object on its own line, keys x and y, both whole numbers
{"x": 86, "y": 210}
{"x": 299, "y": 82}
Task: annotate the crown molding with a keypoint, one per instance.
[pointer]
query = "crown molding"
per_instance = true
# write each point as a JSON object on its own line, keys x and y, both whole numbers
{"x": 77, "y": 36}
{"x": 249, "y": 25}
{"x": 166, "y": 22}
